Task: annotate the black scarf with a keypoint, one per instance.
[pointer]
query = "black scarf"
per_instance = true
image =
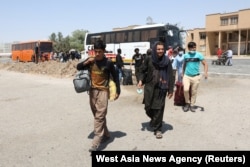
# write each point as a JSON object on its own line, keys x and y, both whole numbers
{"x": 161, "y": 64}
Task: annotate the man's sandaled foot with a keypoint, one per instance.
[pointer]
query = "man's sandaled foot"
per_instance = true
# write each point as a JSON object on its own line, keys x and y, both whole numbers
{"x": 158, "y": 135}
{"x": 93, "y": 148}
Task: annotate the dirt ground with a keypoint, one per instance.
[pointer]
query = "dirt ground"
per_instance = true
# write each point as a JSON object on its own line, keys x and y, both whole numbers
{"x": 50, "y": 68}
{"x": 45, "y": 123}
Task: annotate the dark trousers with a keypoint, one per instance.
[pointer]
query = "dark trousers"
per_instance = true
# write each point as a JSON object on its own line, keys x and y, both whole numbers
{"x": 37, "y": 58}
{"x": 137, "y": 73}
{"x": 156, "y": 116}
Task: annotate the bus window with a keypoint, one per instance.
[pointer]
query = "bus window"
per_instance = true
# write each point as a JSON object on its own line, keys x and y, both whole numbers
{"x": 153, "y": 34}
{"x": 125, "y": 37}
{"x": 29, "y": 46}
{"x": 170, "y": 33}
{"x": 130, "y": 36}
{"x": 137, "y": 36}
{"x": 120, "y": 37}
{"x": 33, "y": 45}
{"x": 107, "y": 38}
{"x": 92, "y": 40}
{"x": 112, "y": 37}
{"x": 45, "y": 47}
{"x": 148, "y": 34}
{"x": 21, "y": 46}
{"x": 145, "y": 35}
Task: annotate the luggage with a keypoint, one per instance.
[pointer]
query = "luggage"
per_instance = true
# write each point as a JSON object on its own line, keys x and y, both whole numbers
{"x": 82, "y": 82}
{"x": 127, "y": 77}
{"x": 179, "y": 99}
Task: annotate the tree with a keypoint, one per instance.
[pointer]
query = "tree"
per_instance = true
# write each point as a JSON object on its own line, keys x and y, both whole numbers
{"x": 60, "y": 36}
{"x": 77, "y": 39}
{"x": 53, "y": 37}
{"x": 61, "y": 44}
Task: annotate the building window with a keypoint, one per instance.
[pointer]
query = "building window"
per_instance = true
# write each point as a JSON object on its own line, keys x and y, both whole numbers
{"x": 192, "y": 36}
{"x": 202, "y": 35}
{"x": 234, "y": 20}
{"x": 202, "y": 48}
{"x": 224, "y": 21}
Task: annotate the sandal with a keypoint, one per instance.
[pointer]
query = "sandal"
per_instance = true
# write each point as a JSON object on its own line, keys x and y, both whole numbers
{"x": 158, "y": 134}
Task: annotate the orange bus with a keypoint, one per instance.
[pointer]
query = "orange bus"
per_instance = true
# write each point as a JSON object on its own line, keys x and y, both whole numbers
{"x": 24, "y": 51}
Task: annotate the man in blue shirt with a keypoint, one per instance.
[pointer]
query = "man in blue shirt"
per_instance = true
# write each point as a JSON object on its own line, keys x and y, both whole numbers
{"x": 178, "y": 63}
{"x": 191, "y": 75}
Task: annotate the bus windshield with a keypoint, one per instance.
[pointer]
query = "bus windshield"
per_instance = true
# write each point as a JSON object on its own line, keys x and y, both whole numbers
{"x": 172, "y": 36}
{"x": 46, "y": 47}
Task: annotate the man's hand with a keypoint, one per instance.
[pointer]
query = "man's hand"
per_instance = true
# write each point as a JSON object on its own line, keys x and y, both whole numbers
{"x": 205, "y": 75}
{"x": 89, "y": 60}
{"x": 139, "y": 85}
{"x": 116, "y": 96}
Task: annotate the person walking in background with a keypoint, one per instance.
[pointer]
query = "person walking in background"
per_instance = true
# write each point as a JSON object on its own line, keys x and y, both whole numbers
{"x": 119, "y": 63}
{"x": 191, "y": 76}
{"x": 172, "y": 58}
{"x": 178, "y": 64}
{"x": 170, "y": 52}
{"x": 101, "y": 69}
{"x": 229, "y": 54}
{"x": 157, "y": 75}
{"x": 219, "y": 52}
{"x": 36, "y": 53}
{"x": 138, "y": 58}
{"x": 149, "y": 53}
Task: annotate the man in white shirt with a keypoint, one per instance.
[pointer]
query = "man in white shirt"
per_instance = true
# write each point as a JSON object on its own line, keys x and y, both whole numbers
{"x": 229, "y": 61}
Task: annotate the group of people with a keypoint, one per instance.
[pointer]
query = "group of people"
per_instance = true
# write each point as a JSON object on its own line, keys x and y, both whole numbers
{"x": 154, "y": 73}
{"x": 66, "y": 56}
{"x": 228, "y": 55}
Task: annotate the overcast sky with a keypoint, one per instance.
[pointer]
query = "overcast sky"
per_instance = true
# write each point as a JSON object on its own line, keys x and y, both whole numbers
{"x": 36, "y": 20}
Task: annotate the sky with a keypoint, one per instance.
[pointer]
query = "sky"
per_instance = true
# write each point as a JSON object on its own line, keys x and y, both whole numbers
{"x": 36, "y": 20}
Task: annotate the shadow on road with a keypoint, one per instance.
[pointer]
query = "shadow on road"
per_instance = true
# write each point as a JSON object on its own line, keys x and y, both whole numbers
{"x": 197, "y": 108}
{"x": 113, "y": 135}
{"x": 165, "y": 127}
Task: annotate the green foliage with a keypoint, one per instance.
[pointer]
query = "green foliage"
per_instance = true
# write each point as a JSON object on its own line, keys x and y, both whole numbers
{"x": 64, "y": 44}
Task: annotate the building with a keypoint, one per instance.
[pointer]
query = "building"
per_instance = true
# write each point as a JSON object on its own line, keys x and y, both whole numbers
{"x": 5, "y": 47}
{"x": 227, "y": 30}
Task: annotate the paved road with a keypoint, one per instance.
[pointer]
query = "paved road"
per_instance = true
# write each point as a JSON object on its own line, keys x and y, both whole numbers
{"x": 44, "y": 123}
{"x": 240, "y": 68}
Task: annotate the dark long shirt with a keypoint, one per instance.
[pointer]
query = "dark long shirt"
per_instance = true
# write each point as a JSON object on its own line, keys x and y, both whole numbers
{"x": 149, "y": 74}
{"x": 119, "y": 61}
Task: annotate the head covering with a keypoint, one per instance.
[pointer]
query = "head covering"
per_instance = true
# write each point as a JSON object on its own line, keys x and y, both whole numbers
{"x": 161, "y": 63}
